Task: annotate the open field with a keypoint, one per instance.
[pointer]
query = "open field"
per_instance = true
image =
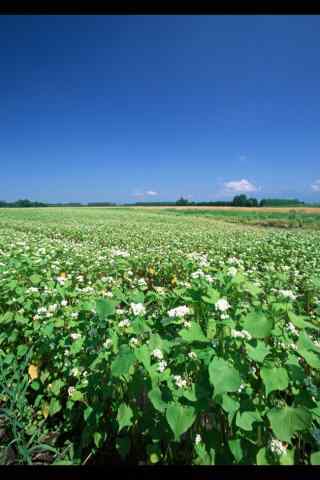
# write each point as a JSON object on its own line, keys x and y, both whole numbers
{"x": 146, "y": 335}
{"x": 308, "y": 218}
{"x": 314, "y": 210}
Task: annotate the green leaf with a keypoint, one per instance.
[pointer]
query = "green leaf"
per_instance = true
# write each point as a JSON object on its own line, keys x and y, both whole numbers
{"x": 190, "y": 394}
{"x": 156, "y": 399}
{"x": 259, "y": 352}
{"x": 308, "y": 350}
{"x": 77, "y": 345}
{"x": 211, "y": 328}
{"x": 76, "y": 396}
{"x": 142, "y": 355}
{"x": 236, "y": 449}
{"x": 211, "y": 297}
{"x": 56, "y": 386}
{"x": 35, "y": 385}
{"x": 104, "y": 308}
{"x": 86, "y": 414}
{"x": 245, "y": 420}
{"x": 22, "y": 350}
{"x": 124, "y": 416}
{"x": 287, "y": 458}
{"x": 262, "y": 457}
{"x": 180, "y": 418}
{"x": 193, "y": 333}
{"x": 285, "y": 422}
{"x": 97, "y": 438}
{"x": 228, "y": 404}
{"x": 137, "y": 297}
{"x": 122, "y": 363}
{"x": 252, "y": 289}
{"x": 35, "y": 279}
{"x": 274, "y": 378}
{"x": 223, "y": 377}
{"x": 257, "y": 324}
{"x": 305, "y": 343}
{"x": 54, "y": 406}
{"x": 315, "y": 458}
{"x": 311, "y": 358}
{"x": 123, "y": 446}
{"x": 299, "y": 322}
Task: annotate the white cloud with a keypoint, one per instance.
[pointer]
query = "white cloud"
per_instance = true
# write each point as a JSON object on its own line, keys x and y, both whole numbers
{"x": 240, "y": 186}
{"x": 138, "y": 194}
{"x": 316, "y": 186}
{"x": 151, "y": 192}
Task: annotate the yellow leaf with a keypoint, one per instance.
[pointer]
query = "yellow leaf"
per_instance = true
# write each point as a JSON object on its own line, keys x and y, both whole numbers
{"x": 45, "y": 410}
{"x": 33, "y": 371}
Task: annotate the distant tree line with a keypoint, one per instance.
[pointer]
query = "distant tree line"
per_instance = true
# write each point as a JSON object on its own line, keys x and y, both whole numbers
{"x": 28, "y": 203}
{"x": 238, "y": 201}
{"x": 21, "y": 204}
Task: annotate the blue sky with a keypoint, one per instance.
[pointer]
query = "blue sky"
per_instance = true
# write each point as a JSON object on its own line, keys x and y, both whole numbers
{"x": 128, "y": 108}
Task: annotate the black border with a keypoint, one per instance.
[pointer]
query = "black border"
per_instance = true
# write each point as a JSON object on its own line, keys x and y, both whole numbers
{"x": 142, "y": 8}
{"x": 156, "y": 8}
{"x": 219, "y": 472}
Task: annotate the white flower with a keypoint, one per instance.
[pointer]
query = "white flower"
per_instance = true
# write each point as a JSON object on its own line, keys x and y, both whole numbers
{"x": 232, "y": 271}
{"x": 107, "y": 343}
{"x": 197, "y": 274}
{"x": 180, "y": 382}
{"x": 198, "y": 439}
{"x": 42, "y": 310}
{"x": 288, "y": 294}
{"x": 242, "y": 386}
{"x": 119, "y": 253}
{"x": 241, "y": 334}
{"x": 124, "y": 323}
{"x": 33, "y": 290}
{"x": 162, "y": 366}
{"x": 71, "y": 390}
{"x": 75, "y": 336}
{"x": 138, "y": 308}
{"x": 74, "y": 315}
{"x": 133, "y": 342}
{"x": 179, "y": 311}
{"x": 277, "y": 447}
{"x": 222, "y": 305}
{"x": 61, "y": 280}
{"x": 64, "y": 303}
{"x": 157, "y": 354}
{"x": 119, "y": 311}
{"x": 233, "y": 260}
{"x": 109, "y": 294}
{"x": 75, "y": 372}
{"x": 187, "y": 324}
{"x": 192, "y": 355}
{"x": 293, "y": 329}
{"x": 160, "y": 290}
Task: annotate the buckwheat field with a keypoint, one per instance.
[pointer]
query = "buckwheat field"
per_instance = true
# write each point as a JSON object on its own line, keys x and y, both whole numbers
{"x": 136, "y": 336}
